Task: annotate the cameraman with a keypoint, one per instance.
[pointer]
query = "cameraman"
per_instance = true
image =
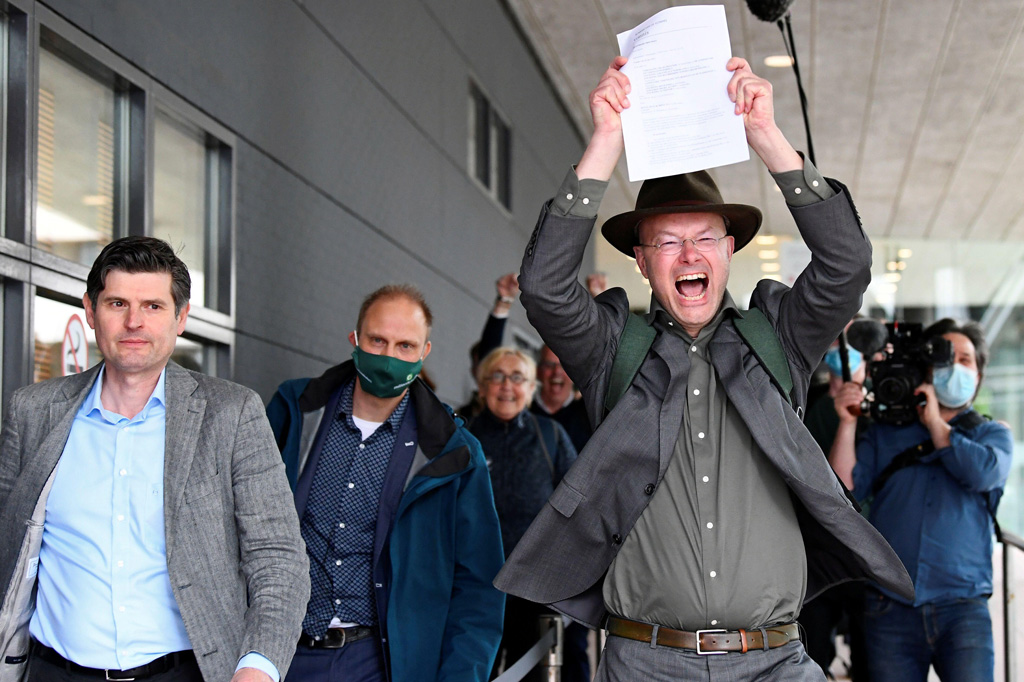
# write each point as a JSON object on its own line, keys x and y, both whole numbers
{"x": 937, "y": 512}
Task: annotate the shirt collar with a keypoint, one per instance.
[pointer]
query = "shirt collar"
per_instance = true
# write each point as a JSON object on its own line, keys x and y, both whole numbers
{"x": 540, "y": 403}
{"x": 347, "y": 397}
{"x": 659, "y": 316}
{"x": 93, "y": 404}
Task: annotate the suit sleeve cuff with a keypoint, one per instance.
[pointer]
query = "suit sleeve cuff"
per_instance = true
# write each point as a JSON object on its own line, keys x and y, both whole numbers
{"x": 260, "y": 662}
{"x": 803, "y": 187}
{"x": 578, "y": 198}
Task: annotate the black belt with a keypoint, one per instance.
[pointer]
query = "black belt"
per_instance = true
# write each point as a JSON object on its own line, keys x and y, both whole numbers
{"x": 335, "y": 638}
{"x": 154, "y": 667}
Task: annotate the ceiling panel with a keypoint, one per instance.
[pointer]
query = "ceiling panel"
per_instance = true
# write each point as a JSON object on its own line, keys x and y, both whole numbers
{"x": 915, "y": 104}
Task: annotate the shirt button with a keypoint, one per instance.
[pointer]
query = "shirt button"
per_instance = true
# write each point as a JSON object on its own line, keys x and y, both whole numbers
{"x": 705, "y": 479}
{"x": 797, "y": 190}
{"x": 616, "y": 539}
{"x": 713, "y": 573}
{"x": 814, "y": 182}
{"x": 123, "y": 472}
{"x": 710, "y": 525}
{"x": 337, "y": 601}
{"x": 696, "y": 391}
{"x": 351, "y": 485}
{"x": 341, "y": 525}
{"x": 700, "y": 435}
{"x": 121, "y": 609}
{"x": 714, "y": 622}
{"x": 693, "y": 349}
{"x": 649, "y": 489}
{"x": 569, "y": 196}
{"x": 120, "y": 517}
{"x": 670, "y": 324}
{"x": 120, "y": 564}
{"x": 586, "y": 201}
{"x": 362, "y": 446}
{"x": 338, "y": 562}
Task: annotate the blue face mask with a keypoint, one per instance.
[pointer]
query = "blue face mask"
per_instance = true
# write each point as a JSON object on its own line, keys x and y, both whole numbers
{"x": 955, "y": 385}
{"x": 835, "y": 365}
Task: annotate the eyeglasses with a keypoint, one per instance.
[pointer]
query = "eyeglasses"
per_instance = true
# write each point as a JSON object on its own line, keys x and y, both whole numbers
{"x": 499, "y": 378}
{"x": 673, "y": 248}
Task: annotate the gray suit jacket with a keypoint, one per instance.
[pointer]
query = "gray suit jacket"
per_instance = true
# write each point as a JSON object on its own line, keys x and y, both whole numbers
{"x": 236, "y": 560}
{"x": 566, "y": 552}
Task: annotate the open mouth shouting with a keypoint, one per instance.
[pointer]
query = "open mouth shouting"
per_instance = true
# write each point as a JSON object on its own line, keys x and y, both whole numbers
{"x": 692, "y": 287}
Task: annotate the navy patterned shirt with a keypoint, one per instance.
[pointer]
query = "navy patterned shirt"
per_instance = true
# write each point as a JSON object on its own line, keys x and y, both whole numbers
{"x": 340, "y": 519}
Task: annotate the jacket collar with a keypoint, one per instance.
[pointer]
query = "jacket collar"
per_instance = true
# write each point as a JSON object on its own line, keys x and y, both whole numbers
{"x": 434, "y": 423}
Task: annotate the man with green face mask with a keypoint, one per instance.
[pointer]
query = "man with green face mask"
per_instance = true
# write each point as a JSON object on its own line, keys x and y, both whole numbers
{"x": 396, "y": 511}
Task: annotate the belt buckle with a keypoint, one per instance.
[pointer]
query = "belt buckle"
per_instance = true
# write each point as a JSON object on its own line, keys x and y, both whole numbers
{"x": 707, "y": 653}
{"x": 106, "y": 675}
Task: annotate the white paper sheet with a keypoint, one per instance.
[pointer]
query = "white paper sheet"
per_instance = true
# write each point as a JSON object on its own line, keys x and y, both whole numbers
{"x": 680, "y": 118}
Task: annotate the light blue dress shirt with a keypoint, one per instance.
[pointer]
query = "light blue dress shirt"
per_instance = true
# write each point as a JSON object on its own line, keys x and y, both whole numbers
{"x": 104, "y": 596}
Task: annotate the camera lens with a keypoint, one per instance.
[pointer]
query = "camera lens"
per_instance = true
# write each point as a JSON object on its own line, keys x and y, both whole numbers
{"x": 893, "y": 390}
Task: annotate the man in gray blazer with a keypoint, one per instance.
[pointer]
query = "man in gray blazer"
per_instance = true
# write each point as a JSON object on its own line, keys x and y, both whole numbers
{"x": 701, "y": 513}
{"x": 148, "y": 530}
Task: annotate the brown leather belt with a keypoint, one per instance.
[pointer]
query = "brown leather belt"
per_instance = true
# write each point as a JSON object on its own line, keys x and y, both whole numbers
{"x": 706, "y": 641}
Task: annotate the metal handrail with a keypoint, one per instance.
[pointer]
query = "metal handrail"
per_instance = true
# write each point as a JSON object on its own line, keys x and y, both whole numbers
{"x": 1009, "y": 655}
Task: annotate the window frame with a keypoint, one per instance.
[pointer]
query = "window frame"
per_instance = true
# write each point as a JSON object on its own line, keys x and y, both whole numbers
{"x": 490, "y": 168}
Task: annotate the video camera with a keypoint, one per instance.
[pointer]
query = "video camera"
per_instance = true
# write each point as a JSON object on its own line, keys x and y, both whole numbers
{"x": 907, "y": 364}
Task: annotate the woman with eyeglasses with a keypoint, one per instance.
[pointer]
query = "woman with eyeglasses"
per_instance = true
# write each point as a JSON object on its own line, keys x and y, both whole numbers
{"x": 527, "y": 455}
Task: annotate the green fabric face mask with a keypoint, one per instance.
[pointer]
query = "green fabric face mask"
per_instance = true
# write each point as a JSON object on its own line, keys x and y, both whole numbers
{"x": 383, "y": 376}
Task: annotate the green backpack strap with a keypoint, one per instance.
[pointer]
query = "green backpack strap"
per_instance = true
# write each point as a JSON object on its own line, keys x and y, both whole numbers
{"x": 634, "y": 342}
{"x": 757, "y": 331}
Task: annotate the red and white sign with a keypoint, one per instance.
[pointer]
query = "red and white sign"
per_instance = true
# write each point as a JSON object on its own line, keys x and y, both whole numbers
{"x": 74, "y": 351}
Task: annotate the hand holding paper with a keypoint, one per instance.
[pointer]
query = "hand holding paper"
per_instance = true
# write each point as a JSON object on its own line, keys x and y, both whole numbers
{"x": 753, "y": 98}
{"x": 607, "y": 102}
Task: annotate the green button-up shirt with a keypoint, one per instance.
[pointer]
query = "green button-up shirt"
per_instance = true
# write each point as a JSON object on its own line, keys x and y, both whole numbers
{"x": 719, "y": 545}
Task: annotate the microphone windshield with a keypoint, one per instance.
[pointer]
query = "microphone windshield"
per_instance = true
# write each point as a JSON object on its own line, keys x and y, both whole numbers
{"x": 769, "y": 10}
{"x": 867, "y": 336}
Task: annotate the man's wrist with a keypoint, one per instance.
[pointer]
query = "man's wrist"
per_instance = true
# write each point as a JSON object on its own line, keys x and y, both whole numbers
{"x": 256, "y": 660}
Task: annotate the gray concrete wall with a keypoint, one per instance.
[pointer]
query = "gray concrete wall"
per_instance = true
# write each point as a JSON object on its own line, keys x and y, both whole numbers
{"x": 351, "y": 120}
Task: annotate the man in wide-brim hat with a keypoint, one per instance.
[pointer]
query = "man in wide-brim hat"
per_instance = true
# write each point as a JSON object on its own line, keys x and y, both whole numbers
{"x": 701, "y": 513}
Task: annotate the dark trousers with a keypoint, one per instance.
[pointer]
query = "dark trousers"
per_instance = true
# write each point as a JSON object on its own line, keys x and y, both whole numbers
{"x": 45, "y": 671}
{"x": 823, "y": 617}
{"x": 575, "y": 662}
{"x": 361, "y": 661}
{"x": 904, "y": 641}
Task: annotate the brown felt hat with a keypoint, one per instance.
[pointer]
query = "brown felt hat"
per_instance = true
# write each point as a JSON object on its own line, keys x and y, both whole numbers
{"x": 687, "y": 193}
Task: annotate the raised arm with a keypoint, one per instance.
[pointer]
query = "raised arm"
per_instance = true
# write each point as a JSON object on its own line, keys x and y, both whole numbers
{"x": 754, "y": 101}
{"x": 607, "y": 101}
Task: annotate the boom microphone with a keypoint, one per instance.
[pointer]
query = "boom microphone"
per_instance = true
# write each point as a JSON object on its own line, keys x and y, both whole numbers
{"x": 769, "y": 10}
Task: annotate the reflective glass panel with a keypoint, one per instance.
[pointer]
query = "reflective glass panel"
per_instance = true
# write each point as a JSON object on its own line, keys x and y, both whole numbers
{"x": 75, "y": 162}
{"x": 179, "y": 195}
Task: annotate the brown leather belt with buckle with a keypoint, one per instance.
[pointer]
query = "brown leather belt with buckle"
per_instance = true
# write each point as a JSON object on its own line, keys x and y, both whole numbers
{"x": 154, "y": 667}
{"x": 706, "y": 641}
{"x": 336, "y": 638}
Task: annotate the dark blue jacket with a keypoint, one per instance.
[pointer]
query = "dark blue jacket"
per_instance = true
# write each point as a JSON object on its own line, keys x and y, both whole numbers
{"x": 438, "y": 543}
{"x": 936, "y": 514}
{"x": 527, "y": 457}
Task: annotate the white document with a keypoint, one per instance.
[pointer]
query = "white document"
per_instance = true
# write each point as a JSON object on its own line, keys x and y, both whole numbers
{"x": 680, "y": 119}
